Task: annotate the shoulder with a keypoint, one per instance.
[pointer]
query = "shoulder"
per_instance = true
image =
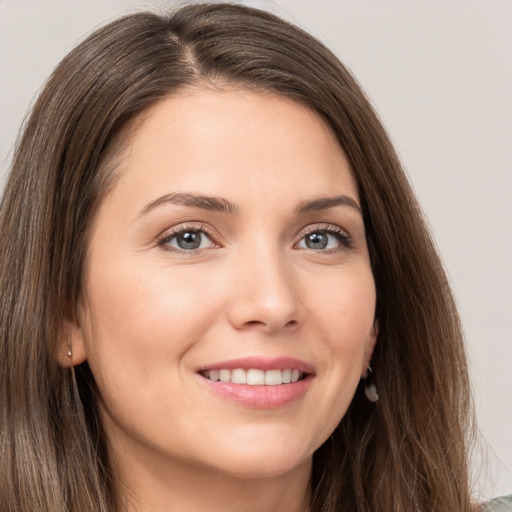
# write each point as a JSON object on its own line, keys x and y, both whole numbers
{"x": 503, "y": 504}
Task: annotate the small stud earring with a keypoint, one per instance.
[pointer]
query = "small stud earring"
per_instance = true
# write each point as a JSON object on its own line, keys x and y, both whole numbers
{"x": 370, "y": 389}
{"x": 70, "y": 354}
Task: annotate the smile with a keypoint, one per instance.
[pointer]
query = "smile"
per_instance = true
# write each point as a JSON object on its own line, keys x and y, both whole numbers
{"x": 254, "y": 377}
{"x": 259, "y": 382}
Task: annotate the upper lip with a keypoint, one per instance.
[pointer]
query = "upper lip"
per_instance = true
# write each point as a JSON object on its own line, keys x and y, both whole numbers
{"x": 262, "y": 363}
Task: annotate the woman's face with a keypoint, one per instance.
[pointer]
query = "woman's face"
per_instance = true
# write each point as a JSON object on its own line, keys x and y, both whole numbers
{"x": 232, "y": 247}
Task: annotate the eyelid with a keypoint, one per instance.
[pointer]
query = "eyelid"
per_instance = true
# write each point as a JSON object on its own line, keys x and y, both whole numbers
{"x": 170, "y": 233}
{"x": 345, "y": 238}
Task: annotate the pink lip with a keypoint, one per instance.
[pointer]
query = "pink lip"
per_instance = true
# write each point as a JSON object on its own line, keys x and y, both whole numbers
{"x": 262, "y": 363}
{"x": 261, "y": 397}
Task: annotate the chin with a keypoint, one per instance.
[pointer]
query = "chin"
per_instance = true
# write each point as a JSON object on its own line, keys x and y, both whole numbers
{"x": 269, "y": 458}
{"x": 261, "y": 468}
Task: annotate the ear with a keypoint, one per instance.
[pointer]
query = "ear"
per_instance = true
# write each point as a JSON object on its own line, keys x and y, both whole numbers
{"x": 71, "y": 346}
{"x": 368, "y": 349}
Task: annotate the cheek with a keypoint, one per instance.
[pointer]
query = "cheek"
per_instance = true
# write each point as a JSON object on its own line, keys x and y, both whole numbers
{"x": 345, "y": 304}
{"x": 341, "y": 309}
{"x": 344, "y": 312}
{"x": 138, "y": 318}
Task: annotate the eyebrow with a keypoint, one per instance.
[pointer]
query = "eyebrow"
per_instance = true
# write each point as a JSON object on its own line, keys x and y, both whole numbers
{"x": 215, "y": 204}
{"x": 325, "y": 203}
{"x": 219, "y": 204}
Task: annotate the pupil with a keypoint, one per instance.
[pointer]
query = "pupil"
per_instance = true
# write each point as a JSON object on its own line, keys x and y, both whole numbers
{"x": 189, "y": 240}
{"x": 316, "y": 241}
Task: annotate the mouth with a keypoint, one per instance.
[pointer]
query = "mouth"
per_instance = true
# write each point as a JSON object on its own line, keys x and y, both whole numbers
{"x": 255, "y": 376}
{"x": 259, "y": 383}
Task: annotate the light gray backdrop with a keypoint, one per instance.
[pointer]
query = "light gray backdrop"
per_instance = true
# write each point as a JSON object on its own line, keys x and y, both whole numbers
{"x": 440, "y": 74}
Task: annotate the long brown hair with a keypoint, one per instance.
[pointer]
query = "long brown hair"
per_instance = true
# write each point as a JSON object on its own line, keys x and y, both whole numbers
{"x": 409, "y": 453}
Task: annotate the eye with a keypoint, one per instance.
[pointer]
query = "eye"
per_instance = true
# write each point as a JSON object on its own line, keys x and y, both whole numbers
{"x": 324, "y": 240}
{"x": 187, "y": 240}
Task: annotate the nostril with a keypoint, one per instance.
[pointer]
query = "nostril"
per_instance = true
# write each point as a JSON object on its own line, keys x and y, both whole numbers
{"x": 254, "y": 322}
{"x": 251, "y": 324}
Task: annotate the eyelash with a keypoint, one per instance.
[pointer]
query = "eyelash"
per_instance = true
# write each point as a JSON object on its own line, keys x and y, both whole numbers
{"x": 340, "y": 234}
{"x": 343, "y": 238}
{"x": 184, "y": 228}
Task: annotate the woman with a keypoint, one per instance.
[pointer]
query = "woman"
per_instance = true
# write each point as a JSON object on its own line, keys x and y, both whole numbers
{"x": 220, "y": 293}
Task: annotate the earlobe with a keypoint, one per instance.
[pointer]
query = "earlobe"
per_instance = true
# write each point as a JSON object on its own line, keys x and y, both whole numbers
{"x": 71, "y": 349}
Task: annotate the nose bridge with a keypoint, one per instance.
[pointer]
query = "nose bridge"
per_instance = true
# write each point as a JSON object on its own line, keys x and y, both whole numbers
{"x": 265, "y": 291}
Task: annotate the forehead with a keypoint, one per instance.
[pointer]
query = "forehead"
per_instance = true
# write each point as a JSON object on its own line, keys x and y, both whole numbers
{"x": 207, "y": 139}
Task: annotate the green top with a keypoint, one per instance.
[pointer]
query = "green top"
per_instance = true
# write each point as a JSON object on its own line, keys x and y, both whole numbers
{"x": 503, "y": 504}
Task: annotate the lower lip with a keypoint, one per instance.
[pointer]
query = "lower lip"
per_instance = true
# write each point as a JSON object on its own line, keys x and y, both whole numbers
{"x": 260, "y": 397}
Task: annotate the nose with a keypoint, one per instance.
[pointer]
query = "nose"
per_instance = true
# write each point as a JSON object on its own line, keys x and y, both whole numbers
{"x": 264, "y": 294}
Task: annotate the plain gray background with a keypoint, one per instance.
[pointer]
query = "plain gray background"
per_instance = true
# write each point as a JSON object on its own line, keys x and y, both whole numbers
{"x": 440, "y": 75}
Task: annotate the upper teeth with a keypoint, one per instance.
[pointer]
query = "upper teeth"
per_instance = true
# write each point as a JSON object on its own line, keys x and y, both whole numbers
{"x": 254, "y": 377}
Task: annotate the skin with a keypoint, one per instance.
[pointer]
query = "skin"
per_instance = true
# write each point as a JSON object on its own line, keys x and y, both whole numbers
{"x": 152, "y": 313}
